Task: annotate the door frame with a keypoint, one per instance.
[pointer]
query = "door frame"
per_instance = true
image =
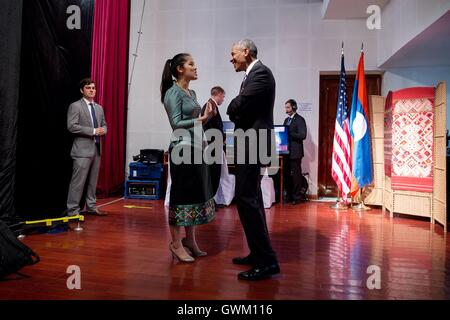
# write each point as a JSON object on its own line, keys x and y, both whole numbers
{"x": 321, "y": 174}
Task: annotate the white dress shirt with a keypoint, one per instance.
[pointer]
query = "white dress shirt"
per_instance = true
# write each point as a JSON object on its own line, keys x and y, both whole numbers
{"x": 90, "y": 111}
{"x": 249, "y": 68}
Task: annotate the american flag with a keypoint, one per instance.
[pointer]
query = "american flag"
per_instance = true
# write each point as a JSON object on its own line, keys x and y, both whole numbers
{"x": 341, "y": 168}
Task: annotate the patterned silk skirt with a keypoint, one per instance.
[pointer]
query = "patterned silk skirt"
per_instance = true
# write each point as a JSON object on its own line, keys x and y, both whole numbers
{"x": 191, "y": 194}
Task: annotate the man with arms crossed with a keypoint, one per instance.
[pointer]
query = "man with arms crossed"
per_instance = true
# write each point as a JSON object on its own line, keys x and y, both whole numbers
{"x": 253, "y": 109}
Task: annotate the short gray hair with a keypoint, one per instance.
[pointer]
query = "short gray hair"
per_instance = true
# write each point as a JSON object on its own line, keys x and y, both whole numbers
{"x": 248, "y": 44}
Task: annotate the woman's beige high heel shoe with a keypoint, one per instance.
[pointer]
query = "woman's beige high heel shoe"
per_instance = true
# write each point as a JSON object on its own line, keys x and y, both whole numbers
{"x": 195, "y": 253}
{"x": 182, "y": 258}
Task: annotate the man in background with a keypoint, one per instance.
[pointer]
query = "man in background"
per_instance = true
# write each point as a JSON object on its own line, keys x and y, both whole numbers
{"x": 86, "y": 121}
{"x": 293, "y": 162}
{"x": 215, "y": 122}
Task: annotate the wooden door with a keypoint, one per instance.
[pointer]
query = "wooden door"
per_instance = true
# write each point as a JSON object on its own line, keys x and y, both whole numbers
{"x": 327, "y": 118}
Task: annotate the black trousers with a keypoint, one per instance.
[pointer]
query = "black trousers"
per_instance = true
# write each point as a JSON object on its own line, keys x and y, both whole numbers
{"x": 250, "y": 206}
{"x": 293, "y": 179}
{"x": 215, "y": 170}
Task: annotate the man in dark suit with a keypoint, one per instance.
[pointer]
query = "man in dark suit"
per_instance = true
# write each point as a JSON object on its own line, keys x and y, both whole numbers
{"x": 215, "y": 122}
{"x": 293, "y": 163}
{"x": 252, "y": 109}
{"x": 86, "y": 121}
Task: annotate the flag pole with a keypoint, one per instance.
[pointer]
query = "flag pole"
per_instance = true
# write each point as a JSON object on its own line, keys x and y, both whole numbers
{"x": 339, "y": 205}
{"x": 361, "y": 206}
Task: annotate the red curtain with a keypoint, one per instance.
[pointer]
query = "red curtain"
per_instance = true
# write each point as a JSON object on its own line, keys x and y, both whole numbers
{"x": 109, "y": 71}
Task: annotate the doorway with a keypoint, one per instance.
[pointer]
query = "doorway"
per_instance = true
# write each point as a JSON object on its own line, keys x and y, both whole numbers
{"x": 327, "y": 117}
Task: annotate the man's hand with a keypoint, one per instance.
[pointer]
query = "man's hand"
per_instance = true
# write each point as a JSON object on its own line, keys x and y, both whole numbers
{"x": 99, "y": 132}
{"x": 210, "y": 110}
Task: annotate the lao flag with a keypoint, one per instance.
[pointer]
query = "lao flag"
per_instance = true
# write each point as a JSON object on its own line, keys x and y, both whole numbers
{"x": 360, "y": 131}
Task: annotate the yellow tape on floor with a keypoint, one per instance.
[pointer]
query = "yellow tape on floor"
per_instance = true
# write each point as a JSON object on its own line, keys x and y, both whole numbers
{"x": 49, "y": 222}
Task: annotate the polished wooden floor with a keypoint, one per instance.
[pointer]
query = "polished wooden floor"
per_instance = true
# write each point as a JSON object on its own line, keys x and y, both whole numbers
{"x": 323, "y": 254}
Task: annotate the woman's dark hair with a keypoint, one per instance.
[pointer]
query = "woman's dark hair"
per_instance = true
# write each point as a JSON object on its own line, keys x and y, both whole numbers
{"x": 170, "y": 70}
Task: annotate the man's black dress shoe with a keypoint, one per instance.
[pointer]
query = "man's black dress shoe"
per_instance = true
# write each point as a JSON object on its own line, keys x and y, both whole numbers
{"x": 259, "y": 273}
{"x": 246, "y": 261}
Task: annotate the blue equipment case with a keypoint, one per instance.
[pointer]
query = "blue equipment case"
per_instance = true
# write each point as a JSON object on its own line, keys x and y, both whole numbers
{"x": 143, "y": 171}
{"x": 142, "y": 189}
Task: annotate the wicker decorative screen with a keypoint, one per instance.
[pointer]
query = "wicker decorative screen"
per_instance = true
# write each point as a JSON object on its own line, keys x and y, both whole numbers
{"x": 414, "y": 152}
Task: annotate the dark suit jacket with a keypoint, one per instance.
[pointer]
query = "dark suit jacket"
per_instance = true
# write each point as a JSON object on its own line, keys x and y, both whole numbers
{"x": 215, "y": 122}
{"x": 253, "y": 107}
{"x": 297, "y": 133}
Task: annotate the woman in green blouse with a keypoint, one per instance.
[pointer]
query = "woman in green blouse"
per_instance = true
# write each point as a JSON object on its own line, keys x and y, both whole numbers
{"x": 191, "y": 199}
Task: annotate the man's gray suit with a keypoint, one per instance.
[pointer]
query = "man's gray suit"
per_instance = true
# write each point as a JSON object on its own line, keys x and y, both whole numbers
{"x": 85, "y": 154}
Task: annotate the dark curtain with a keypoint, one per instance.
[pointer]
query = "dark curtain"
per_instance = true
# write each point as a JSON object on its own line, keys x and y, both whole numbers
{"x": 10, "y": 35}
{"x": 109, "y": 70}
{"x": 54, "y": 59}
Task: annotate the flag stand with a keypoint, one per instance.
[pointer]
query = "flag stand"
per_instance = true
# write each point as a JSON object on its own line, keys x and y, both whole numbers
{"x": 339, "y": 205}
{"x": 361, "y": 206}
{"x": 78, "y": 228}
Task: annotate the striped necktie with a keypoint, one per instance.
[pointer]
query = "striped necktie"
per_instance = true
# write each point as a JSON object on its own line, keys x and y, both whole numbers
{"x": 242, "y": 84}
